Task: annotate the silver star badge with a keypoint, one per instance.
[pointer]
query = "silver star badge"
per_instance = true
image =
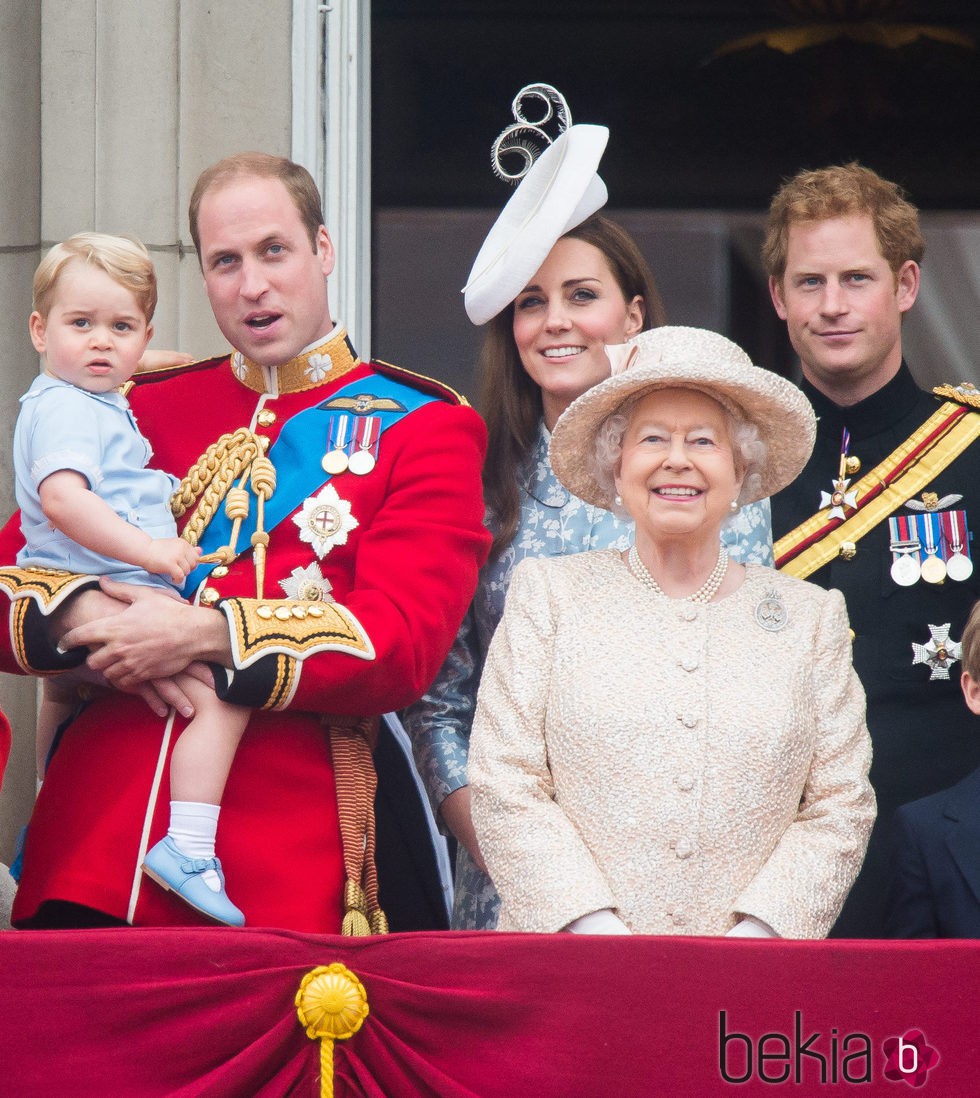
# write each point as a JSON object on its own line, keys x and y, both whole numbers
{"x": 307, "y": 585}
{"x": 940, "y": 653}
{"x": 839, "y": 499}
{"x": 325, "y": 520}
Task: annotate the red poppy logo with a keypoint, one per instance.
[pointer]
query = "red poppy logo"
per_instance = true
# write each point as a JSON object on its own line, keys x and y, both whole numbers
{"x": 910, "y": 1058}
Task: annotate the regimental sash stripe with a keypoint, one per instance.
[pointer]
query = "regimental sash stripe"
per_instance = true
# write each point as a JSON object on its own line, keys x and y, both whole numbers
{"x": 904, "y": 473}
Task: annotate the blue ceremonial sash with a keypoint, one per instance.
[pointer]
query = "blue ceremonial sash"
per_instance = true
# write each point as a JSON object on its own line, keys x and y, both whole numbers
{"x": 297, "y": 454}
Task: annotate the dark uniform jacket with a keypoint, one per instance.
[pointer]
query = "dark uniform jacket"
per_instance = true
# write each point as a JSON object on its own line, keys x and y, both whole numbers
{"x": 923, "y": 736}
{"x": 935, "y": 883}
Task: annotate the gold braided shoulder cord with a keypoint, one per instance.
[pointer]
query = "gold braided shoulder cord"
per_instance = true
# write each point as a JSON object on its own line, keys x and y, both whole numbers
{"x": 240, "y": 456}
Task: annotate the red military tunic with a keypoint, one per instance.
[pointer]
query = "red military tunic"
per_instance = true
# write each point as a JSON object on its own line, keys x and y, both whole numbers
{"x": 405, "y": 572}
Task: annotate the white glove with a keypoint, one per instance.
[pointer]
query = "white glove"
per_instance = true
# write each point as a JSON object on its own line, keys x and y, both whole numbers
{"x": 751, "y": 927}
{"x": 599, "y": 922}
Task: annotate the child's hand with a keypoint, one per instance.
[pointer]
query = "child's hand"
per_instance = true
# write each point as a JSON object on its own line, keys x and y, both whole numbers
{"x": 155, "y": 360}
{"x": 172, "y": 557}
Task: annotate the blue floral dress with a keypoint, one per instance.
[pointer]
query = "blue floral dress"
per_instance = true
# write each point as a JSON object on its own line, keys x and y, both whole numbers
{"x": 553, "y": 523}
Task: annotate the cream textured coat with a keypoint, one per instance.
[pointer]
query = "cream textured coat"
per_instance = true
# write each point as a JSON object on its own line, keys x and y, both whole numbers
{"x": 681, "y": 764}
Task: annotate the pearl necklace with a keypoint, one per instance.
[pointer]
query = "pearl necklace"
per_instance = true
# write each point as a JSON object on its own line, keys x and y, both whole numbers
{"x": 704, "y": 594}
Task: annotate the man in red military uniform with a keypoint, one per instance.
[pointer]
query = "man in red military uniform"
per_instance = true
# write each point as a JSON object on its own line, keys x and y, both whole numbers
{"x": 333, "y": 600}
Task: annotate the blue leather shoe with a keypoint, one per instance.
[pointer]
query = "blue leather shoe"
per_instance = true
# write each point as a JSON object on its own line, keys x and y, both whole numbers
{"x": 177, "y": 873}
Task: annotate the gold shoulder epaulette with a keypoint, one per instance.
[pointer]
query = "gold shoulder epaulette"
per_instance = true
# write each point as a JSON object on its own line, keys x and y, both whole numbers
{"x": 965, "y": 393}
{"x": 420, "y": 381}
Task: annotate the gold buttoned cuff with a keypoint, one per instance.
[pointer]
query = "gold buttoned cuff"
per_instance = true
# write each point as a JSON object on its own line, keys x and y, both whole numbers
{"x": 36, "y": 591}
{"x": 48, "y": 587}
{"x": 288, "y": 627}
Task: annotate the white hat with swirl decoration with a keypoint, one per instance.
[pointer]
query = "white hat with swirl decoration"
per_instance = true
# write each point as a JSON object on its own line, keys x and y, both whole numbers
{"x": 558, "y": 189}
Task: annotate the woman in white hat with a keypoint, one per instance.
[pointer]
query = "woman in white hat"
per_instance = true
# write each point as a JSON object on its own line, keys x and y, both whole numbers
{"x": 554, "y": 282}
{"x": 666, "y": 741}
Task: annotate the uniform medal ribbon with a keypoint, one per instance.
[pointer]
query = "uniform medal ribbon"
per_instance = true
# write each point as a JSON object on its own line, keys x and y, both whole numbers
{"x": 905, "y": 549}
{"x": 959, "y": 566}
{"x": 933, "y": 565}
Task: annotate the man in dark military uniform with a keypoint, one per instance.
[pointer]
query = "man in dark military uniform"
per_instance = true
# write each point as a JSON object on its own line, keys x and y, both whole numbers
{"x": 883, "y": 510}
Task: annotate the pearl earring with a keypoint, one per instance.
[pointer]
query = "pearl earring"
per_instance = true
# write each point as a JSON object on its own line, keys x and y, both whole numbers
{"x": 618, "y": 500}
{"x": 733, "y": 506}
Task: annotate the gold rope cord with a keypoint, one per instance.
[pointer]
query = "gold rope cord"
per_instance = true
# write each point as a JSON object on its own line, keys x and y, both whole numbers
{"x": 263, "y": 477}
{"x": 211, "y": 479}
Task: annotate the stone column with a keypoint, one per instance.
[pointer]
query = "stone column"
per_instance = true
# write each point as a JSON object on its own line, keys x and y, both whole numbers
{"x": 111, "y": 109}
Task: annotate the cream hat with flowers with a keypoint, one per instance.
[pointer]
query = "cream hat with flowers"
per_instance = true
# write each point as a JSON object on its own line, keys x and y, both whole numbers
{"x": 559, "y": 189}
{"x": 687, "y": 358}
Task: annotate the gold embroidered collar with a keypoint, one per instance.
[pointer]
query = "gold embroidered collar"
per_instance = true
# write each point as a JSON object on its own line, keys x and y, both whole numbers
{"x": 316, "y": 365}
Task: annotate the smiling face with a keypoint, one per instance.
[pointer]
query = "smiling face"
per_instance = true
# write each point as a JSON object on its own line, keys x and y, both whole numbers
{"x": 843, "y": 306}
{"x": 564, "y": 318}
{"x": 265, "y": 280}
{"x": 95, "y": 332}
{"x": 677, "y": 474}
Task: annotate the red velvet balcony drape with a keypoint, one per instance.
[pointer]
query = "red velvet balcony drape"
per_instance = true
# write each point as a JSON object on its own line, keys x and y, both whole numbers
{"x": 177, "y": 1013}
{"x": 4, "y": 744}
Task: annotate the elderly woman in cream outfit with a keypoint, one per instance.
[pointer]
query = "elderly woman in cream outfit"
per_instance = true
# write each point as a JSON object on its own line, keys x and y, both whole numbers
{"x": 667, "y": 742}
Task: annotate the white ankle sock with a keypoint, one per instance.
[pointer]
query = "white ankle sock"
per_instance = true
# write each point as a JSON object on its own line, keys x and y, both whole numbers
{"x": 192, "y": 830}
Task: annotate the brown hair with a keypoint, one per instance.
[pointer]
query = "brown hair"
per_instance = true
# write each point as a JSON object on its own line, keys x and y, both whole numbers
{"x": 971, "y": 643}
{"x": 124, "y": 259}
{"x": 294, "y": 177}
{"x": 843, "y": 191}
{"x": 511, "y": 401}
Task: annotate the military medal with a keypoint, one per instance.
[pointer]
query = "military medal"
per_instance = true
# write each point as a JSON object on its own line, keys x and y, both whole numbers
{"x": 939, "y": 653}
{"x": 840, "y": 497}
{"x": 905, "y": 568}
{"x": 307, "y": 585}
{"x": 905, "y": 552}
{"x": 325, "y": 520}
{"x": 933, "y": 567}
{"x": 362, "y": 461}
{"x": 959, "y": 567}
{"x": 335, "y": 460}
